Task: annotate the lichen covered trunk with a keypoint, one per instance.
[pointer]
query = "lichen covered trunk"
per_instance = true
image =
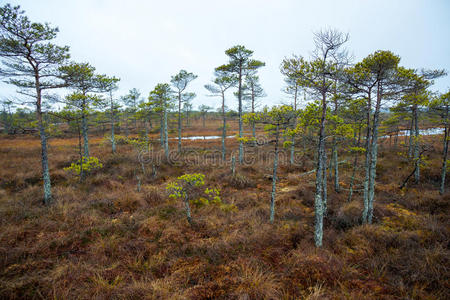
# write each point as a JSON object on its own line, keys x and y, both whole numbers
{"x": 373, "y": 165}
{"x": 325, "y": 184}
{"x": 274, "y": 177}
{"x": 416, "y": 145}
{"x": 295, "y": 125}
{"x": 166, "y": 136}
{"x": 188, "y": 209}
{"x": 42, "y": 135}
{"x": 374, "y": 155}
{"x": 84, "y": 128}
{"x": 80, "y": 151}
{"x": 161, "y": 129}
{"x": 44, "y": 157}
{"x": 224, "y": 128}
{"x": 411, "y": 138}
{"x": 321, "y": 167}
{"x": 241, "y": 145}
{"x": 179, "y": 122}
{"x": 113, "y": 138}
{"x": 444, "y": 159}
{"x": 367, "y": 164}
{"x": 355, "y": 164}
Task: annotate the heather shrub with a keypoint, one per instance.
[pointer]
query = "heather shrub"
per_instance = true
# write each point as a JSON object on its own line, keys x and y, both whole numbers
{"x": 240, "y": 181}
{"x": 349, "y": 215}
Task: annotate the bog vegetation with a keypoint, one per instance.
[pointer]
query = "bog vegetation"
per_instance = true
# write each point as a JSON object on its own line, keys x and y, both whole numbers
{"x": 337, "y": 195}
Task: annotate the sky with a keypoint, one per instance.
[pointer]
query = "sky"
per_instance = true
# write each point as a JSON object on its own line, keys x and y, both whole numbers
{"x": 146, "y": 42}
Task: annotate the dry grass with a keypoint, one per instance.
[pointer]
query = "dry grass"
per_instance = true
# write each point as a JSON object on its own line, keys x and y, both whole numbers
{"x": 102, "y": 239}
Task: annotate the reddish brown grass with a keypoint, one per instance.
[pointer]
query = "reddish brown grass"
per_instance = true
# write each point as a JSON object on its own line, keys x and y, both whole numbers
{"x": 102, "y": 239}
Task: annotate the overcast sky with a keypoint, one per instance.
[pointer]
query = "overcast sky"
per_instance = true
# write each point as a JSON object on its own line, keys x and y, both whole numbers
{"x": 145, "y": 42}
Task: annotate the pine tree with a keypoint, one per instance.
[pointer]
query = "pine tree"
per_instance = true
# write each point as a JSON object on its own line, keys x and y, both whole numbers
{"x": 31, "y": 63}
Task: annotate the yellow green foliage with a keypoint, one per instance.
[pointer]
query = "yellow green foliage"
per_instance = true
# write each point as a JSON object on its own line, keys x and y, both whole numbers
{"x": 245, "y": 139}
{"x": 311, "y": 116}
{"x": 357, "y": 149}
{"x": 276, "y": 118}
{"x": 213, "y": 195}
{"x": 121, "y": 140}
{"x": 287, "y": 144}
{"x": 139, "y": 143}
{"x": 184, "y": 187}
{"x": 89, "y": 164}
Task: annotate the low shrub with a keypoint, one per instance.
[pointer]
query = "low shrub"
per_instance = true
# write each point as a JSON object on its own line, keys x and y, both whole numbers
{"x": 349, "y": 215}
{"x": 89, "y": 165}
{"x": 240, "y": 181}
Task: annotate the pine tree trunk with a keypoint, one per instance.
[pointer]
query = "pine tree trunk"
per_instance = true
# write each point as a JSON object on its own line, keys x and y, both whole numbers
{"x": 274, "y": 177}
{"x": 161, "y": 129}
{"x": 444, "y": 155}
{"x": 113, "y": 138}
{"x": 372, "y": 174}
{"x": 233, "y": 165}
{"x": 253, "y": 123}
{"x": 355, "y": 164}
{"x": 80, "y": 152}
{"x": 325, "y": 183}
{"x": 147, "y": 141}
{"x": 241, "y": 145}
{"x": 318, "y": 198}
{"x": 416, "y": 145}
{"x": 411, "y": 138}
{"x": 374, "y": 155}
{"x": 44, "y": 154}
{"x": 188, "y": 209}
{"x": 166, "y": 135}
{"x": 367, "y": 162}
{"x": 179, "y": 122}
{"x": 224, "y": 129}
{"x": 295, "y": 125}
{"x": 84, "y": 128}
